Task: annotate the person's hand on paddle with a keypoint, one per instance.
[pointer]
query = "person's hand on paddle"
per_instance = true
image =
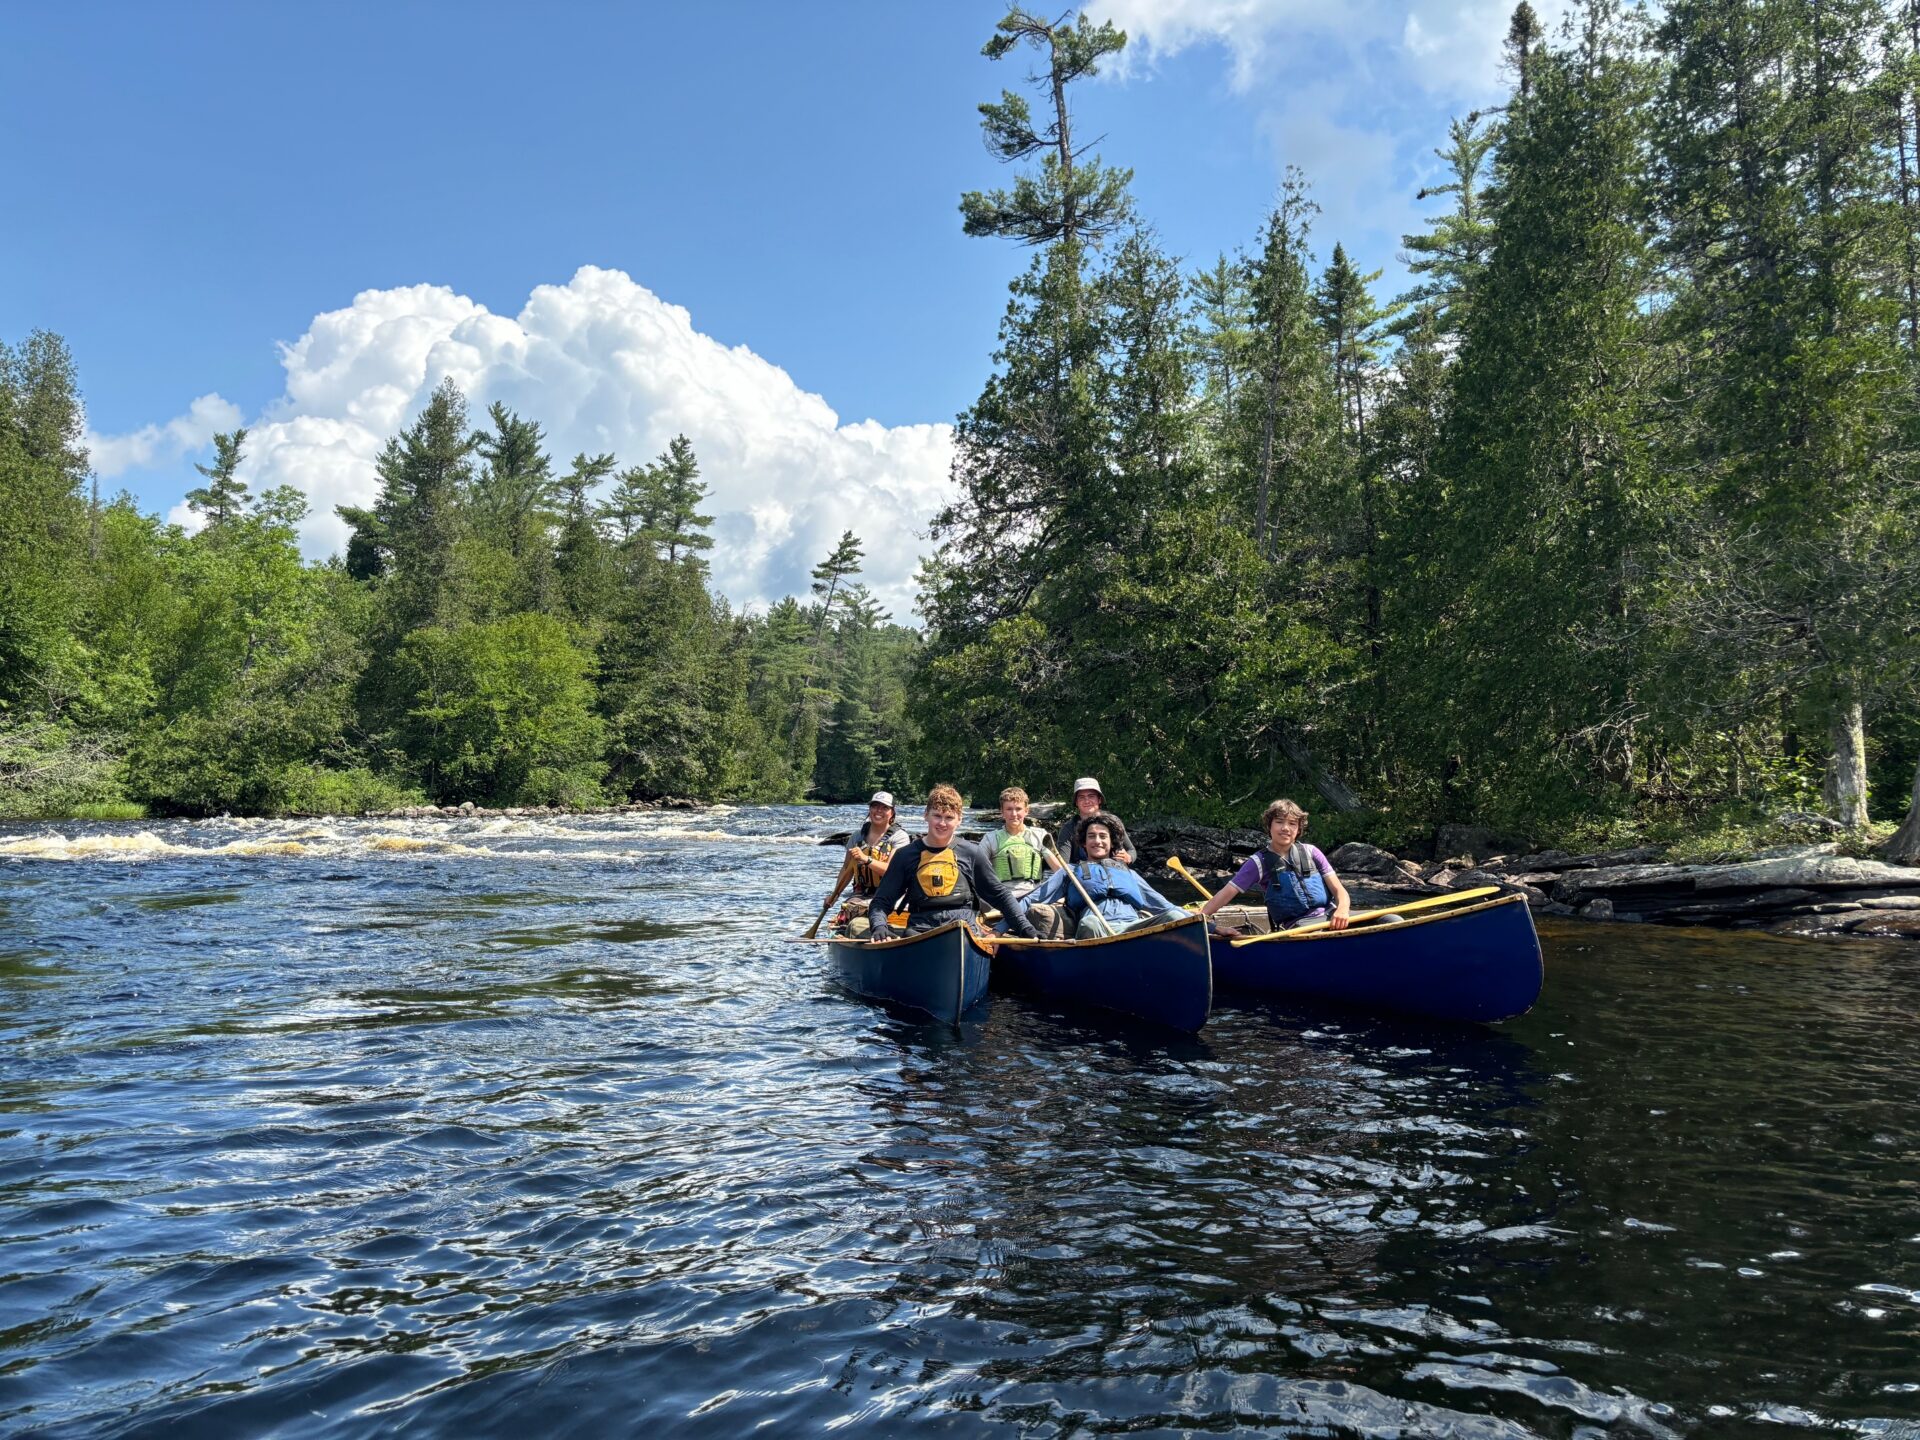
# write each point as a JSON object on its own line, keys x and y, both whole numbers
{"x": 1338, "y": 920}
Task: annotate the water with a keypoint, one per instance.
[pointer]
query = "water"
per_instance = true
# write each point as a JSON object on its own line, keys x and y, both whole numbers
{"x": 535, "y": 1128}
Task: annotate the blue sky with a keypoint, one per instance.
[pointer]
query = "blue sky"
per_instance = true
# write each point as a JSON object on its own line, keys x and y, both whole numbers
{"x": 198, "y": 187}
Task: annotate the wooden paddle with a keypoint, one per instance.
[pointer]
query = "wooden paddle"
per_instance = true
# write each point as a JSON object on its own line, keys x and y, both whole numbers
{"x": 1085, "y": 899}
{"x": 1426, "y": 904}
{"x": 1173, "y": 864}
{"x": 846, "y": 873}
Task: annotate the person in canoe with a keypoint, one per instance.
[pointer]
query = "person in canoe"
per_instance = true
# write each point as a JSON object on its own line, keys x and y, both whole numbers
{"x": 1122, "y": 899}
{"x": 870, "y": 848}
{"x": 1087, "y": 803}
{"x": 1296, "y": 878}
{"x": 1018, "y": 852}
{"x": 942, "y": 877}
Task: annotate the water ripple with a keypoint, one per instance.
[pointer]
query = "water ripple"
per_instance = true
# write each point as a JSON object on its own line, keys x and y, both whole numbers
{"x": 530, "y": 1125}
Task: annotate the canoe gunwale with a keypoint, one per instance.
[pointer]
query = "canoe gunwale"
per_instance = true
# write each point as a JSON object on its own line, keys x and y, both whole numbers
{"x": 1400, "y": 927}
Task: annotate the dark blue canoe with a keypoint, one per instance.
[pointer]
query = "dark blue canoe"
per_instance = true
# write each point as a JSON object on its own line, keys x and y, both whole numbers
{"x": 1161, "y": 973}
{"x": 942, "y": 971}
{"x": 1481, "y": 962}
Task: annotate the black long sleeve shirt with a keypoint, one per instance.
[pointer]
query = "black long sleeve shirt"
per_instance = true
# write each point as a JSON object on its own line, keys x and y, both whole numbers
{"x": 984, "y": 890}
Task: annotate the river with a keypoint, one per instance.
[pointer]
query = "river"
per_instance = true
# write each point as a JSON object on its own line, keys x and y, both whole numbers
{"x": 532, "y": 1128}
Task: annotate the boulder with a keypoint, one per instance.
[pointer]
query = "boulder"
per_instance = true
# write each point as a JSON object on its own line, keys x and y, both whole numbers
{"x": 1473, "y": 841}
{"x": 1359, "y": 858}
{"x": 1820, "y": 872}
{"x": 1887, "y": 924}
{"x": 1596, "y": 910}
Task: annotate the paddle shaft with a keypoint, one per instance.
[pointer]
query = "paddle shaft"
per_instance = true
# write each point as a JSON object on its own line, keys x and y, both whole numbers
{"x": 1074, "y": 880}
{"x": 1173, "y": 864}
{"x": 1427, "y": 904}
{"x": 846, "y": 874}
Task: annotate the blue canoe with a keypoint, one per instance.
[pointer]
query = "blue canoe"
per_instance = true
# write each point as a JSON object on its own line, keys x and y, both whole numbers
{"x": 941, "y": 971}
{"x": 1481, "y": 962}
{"x": 1160, "y": 974}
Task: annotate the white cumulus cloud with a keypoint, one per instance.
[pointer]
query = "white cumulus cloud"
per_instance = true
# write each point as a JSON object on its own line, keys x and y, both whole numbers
{"x": 159, "y": 444}
{"x": 604, "y": 364}
{"x": 1449, "y": 48}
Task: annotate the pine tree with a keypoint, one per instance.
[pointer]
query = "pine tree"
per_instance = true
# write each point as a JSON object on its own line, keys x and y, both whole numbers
{"x": 1455, "y": 250}
{"x": 582, "y": 564}
{"x": 672, "y": 522}
{"x": 1074, "y": 198}
{"x": 1782, "y": 213}
{"x": 224, "y": 494}
{"x": 1221, "y": 335}
{"x": 1288, "y": 403}
{"x": 1520, "y": 647}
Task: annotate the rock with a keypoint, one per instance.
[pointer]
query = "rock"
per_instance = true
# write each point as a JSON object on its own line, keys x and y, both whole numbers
{"x": 1813, "y": 926}
{"x": 1887, "y": 924}
{"x": 1469, "y": 840}
{"x": 1596, "y": 910}
{"x": 1363, "y": 859}
{"x": 1824, "y": 872}
{"x": 1458, "y": 862}
{"x": 1807, "y": 820}
{"x": 466, "y": 807}
{"x": 1897, "y": 902}
{"x": 1796, "y": 852}
{"x": 1474, "y": 879}
{"x": 1766, "y": 901}
{"x": 1539, "y": 860}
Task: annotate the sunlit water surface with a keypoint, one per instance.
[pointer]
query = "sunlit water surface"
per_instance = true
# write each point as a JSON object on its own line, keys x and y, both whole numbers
{"x": 532, "y": 1127}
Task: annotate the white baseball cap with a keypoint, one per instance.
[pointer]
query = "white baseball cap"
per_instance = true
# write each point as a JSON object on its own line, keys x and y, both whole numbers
{"x": 1087, "y": 782}
{"x": 882, "y": 797}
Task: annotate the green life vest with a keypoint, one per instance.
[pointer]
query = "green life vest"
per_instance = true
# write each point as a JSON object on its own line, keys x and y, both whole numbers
{"x": 1016, "y": 859}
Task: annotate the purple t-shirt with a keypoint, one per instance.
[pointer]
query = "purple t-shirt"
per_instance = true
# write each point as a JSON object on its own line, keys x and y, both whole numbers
{"x": 1247, "y": 877}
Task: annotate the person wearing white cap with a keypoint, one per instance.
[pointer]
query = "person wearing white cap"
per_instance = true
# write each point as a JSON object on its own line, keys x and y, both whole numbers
{"x": 1088, "y": 802}
{"x": 873, "y": 844}
{"x": 871, "y": 849}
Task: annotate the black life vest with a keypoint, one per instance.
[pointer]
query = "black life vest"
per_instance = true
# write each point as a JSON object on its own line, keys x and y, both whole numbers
{"x": 1294, "y": 885}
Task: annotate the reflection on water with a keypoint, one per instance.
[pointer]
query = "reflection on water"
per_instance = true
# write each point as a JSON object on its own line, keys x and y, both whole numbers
{"x": 525, "y": 1125}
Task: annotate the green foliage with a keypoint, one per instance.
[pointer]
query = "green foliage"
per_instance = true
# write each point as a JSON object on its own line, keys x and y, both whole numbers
{"x": 1073, "y": 197}
{"x": 1608, "y": 531}
{"x": 313, "y": 790}
{"x": 501, "y": 712}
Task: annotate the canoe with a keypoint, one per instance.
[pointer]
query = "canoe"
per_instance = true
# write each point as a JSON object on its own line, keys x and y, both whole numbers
{"x": 941, "y": 971}
{"x": 1161, "y": 974}
{"x": 1481, "y": 962}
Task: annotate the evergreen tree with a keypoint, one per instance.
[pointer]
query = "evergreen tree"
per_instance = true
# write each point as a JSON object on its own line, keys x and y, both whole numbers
{"x": 43, "y": 522}
{"x": 1521, "y": 646}
{"x": 221, "y": 498}
{"x": 1451, "y": 255}
{"x": 1782, "y": 217}
{"x": 1074, "y": 198}
{"x": 672, "y": 522}
{"x": 583, "y": 565}
{"x": 511, "y": 516}
{"x": 1288, "y": 406}
{"x": 1221, "y": 335}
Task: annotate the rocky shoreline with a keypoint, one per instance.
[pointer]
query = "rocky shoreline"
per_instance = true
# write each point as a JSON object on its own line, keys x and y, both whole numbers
{"x": 1809, "y": 890}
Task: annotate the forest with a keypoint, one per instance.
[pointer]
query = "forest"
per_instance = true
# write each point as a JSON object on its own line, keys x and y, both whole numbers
{"x": 1610, "y": 521}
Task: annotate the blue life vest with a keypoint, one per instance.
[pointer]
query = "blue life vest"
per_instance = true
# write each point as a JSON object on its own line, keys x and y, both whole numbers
{"x": 1295, "y": 888}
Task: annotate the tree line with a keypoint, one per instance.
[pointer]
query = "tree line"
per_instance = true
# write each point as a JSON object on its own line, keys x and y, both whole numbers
{"x": 1614, "y": 511}
{"x": 493, "y": 632}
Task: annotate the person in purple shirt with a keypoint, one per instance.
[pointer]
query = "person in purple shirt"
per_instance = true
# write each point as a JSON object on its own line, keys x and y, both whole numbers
{"x": 1296, "y": 877}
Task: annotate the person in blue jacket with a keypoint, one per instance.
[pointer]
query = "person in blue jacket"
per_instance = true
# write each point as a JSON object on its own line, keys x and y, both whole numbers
{"x": 1121, "y": 897}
